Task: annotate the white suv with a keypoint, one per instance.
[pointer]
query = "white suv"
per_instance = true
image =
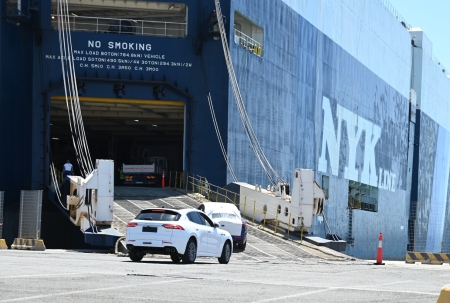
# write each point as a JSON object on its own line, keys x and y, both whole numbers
{"x": 184, "y": 234}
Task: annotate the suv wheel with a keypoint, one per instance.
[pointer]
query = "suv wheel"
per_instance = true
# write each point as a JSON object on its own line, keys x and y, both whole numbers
{"x": 136, "y": 256}
{"x": 191, "y": 252}
{"x": 226, "y": 253}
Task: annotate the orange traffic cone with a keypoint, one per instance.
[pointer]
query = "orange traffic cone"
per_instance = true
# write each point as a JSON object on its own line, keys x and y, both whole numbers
{"x": 380, "y": 251}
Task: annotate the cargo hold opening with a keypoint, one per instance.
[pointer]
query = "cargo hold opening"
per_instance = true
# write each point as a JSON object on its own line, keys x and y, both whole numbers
{"x": 128, "y": 131}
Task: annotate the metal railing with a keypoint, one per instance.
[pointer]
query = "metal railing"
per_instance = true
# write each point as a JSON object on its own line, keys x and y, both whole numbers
{"x": 248, "y": 43}
{"x": 30, "y": 214}
{"x": 395, "y": 13}
{"x": 2, "y": 195}
{"x": 124, "y": 26}
{"x": 427, "y": 229}
{"x": 440, "y": 65}
{"x": 268, "y": 217}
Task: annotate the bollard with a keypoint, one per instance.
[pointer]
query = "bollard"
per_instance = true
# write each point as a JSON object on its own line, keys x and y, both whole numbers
{"x": 380, "y": 251}
{"x": 444, "y": 296}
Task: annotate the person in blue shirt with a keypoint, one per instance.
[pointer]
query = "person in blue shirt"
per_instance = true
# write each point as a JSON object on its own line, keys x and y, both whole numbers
{"x": 68, "y": 169}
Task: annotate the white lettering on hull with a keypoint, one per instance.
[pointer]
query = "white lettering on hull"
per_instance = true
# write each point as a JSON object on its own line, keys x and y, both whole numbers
{"x": 355, "y": 126}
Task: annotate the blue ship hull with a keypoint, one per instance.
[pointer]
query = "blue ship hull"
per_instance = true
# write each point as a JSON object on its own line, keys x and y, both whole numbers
{"x": 317, "y": 97}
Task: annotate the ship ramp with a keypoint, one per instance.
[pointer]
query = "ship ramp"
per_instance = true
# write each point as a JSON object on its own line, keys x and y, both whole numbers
{"x": 263, "y": 244}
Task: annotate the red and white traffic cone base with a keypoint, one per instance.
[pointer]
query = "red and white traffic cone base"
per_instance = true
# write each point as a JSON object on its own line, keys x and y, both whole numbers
{"x": 380, "y": 251}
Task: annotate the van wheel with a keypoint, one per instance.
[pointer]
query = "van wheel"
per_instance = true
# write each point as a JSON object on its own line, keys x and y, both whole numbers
{"x": 243, "y": 245}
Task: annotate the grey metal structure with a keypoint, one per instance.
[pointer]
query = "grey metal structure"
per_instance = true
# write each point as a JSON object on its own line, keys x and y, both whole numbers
{"x": 2, "y": 195}
{"x": 30, "y": 214}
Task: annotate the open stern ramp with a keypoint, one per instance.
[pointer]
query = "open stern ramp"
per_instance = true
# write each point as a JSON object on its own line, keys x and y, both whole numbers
{"x": 130, "y": 200}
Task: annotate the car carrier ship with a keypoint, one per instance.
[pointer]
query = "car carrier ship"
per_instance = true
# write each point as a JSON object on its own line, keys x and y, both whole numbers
{"x": 347, "y": 89}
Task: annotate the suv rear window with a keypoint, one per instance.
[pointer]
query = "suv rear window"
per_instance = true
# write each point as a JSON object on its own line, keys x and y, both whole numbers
{"x": 223, "y": 215}
{"x": 158, "y": 215}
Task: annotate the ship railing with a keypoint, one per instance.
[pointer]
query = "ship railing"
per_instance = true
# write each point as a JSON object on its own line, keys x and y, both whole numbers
{"x": 124, "y": 26}
{"x": 248, "y": 43}
{"x": 440, "y": 65}
{"x": 268, "y": 217}
{"x": 395, "y": 13}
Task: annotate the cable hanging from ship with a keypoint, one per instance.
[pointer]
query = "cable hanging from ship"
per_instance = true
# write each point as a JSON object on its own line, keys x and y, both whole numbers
{"x": 55, "y": 184}
{"x": 260, "y": 156}
{"x": 71, "y": 91}
{"x": 216, "y": 127}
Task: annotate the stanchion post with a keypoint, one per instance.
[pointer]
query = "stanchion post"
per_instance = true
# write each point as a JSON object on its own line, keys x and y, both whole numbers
{"x": 301, "y": 231}
{"x": 245, "y": 205}
{"x": 2, "y": 241}
{"x": 289, "y": 224}
{"x": 276, "y": 222}
{"x": 254, "y": 209}
{"x": 264, "y": 220}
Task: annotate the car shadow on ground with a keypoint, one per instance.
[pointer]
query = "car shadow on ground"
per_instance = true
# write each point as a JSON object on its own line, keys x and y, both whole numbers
{"x": 149, "y": 261}
{"x": 237, "y": 250}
